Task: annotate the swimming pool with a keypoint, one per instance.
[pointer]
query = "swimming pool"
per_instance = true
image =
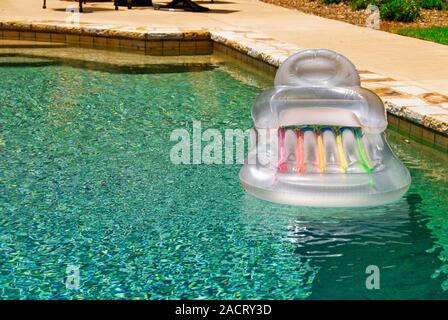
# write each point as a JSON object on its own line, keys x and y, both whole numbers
{"x": 86, "y": 181}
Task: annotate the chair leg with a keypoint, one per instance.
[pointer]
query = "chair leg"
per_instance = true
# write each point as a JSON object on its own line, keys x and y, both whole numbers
{"x": 44, "y": 6}
{"x": 129, "y": 4}
{"x": 116, "y": 4}
{"x": 80, "y": 5}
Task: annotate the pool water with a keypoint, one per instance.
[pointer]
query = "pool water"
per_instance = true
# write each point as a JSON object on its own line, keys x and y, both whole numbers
{"x": 86, "y": 182}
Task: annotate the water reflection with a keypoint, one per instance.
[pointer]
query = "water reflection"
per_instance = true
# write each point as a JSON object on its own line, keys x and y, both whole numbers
{"x": 341, "y": 243}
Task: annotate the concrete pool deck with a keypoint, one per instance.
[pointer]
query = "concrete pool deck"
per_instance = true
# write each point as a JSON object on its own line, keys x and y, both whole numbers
{"x": 409, "y": 74}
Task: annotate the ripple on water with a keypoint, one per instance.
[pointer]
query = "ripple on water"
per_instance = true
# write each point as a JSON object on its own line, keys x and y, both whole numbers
{"x": 86, "y": 180}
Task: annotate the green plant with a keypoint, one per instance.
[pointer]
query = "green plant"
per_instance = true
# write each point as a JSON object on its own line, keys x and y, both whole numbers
{"x": 435, "y": 34}
{"x": 431, "y": 4}
{"x": 331, "y": 1}
{"x": 400, "y": 10}
{"x": 359, "y": 4}
{"x": 363, "y": 4}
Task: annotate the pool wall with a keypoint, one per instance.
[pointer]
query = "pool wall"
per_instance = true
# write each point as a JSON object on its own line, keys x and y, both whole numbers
{"x": 414, "y": 112}
{"x": 157, "y": 43}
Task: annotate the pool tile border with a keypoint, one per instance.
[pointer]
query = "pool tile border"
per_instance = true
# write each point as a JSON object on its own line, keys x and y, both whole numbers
{"x": 151, "y": 41}
{"x": 413, "y": 111}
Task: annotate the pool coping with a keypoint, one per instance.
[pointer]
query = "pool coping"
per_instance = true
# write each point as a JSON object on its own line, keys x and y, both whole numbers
{"x": 414, "y": 111}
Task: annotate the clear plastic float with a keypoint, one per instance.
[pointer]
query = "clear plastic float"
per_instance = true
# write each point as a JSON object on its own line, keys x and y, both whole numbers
{"x": 320, "y": 138}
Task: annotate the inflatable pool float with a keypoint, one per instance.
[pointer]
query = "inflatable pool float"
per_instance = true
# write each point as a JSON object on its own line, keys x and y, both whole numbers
{"x": 320, "y": 138}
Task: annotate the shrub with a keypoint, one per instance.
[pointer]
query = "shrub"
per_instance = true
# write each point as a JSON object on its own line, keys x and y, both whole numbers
{"x": 400, "y": 10}
{"x": 363, "y": 4}
{"x": 332, "y": 1}
{"x": 359, "y": 4}
{"x": 431, "y": 4}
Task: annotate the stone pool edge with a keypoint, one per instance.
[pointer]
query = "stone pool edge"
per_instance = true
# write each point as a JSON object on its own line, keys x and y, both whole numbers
{"x": 413, "y": 111}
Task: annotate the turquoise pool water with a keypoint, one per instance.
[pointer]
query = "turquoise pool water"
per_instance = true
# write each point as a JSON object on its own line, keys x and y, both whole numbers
{"x": 86, "y": 181}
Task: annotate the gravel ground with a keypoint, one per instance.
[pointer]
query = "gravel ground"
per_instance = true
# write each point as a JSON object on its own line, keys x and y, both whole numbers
{"x": 344, "y": 12}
